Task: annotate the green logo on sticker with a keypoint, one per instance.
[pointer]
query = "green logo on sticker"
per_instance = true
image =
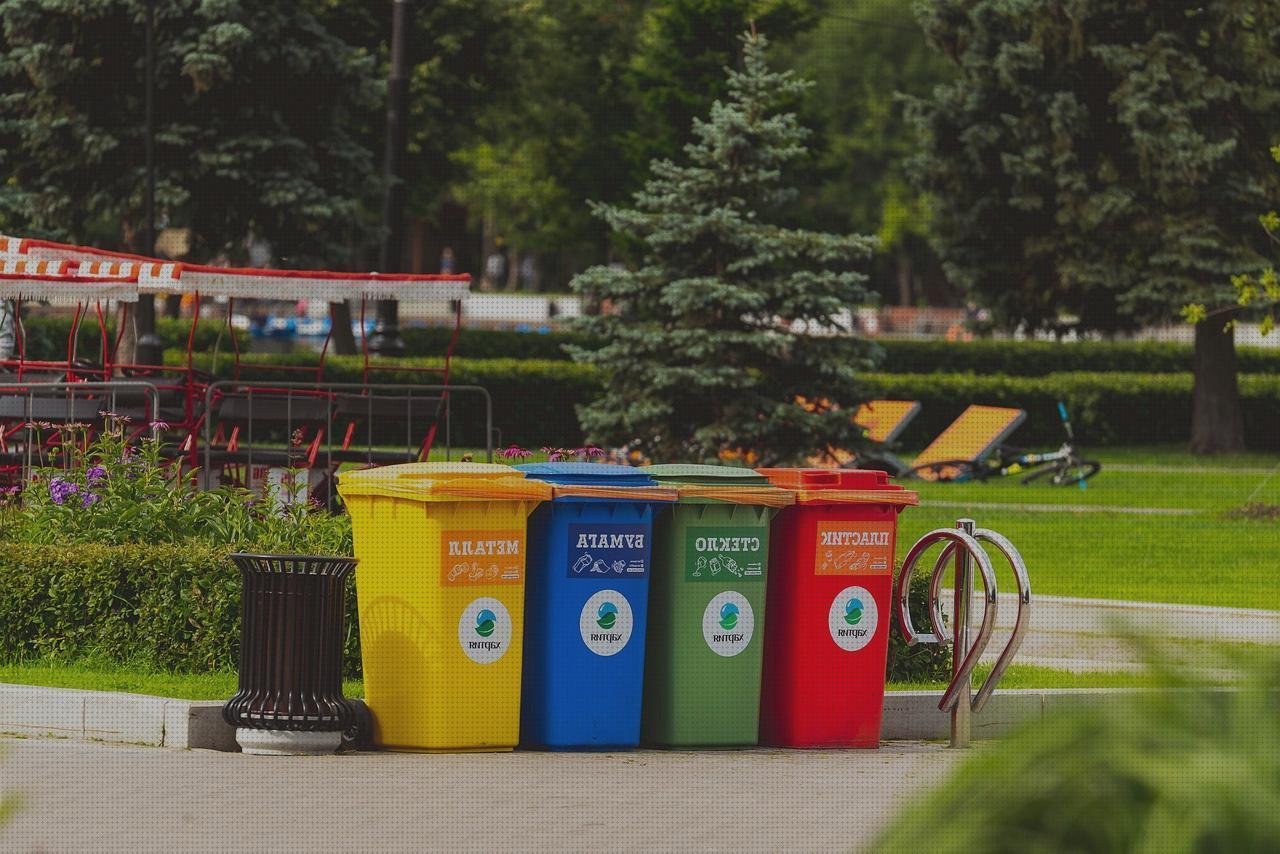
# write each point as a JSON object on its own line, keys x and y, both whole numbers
{"x": 853, "y": 611}
{"x": 486, "y": 621}
{"x": 728, "y": 616}
{"x": 607, "y": 616}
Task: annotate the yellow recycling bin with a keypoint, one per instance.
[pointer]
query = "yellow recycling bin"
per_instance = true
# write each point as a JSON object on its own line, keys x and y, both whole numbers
{"x": 441, "y": 594}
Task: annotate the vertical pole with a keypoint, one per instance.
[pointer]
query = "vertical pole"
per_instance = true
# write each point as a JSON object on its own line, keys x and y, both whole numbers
{"x": 148, "y": 350}
{"x": 386, "y": 337}
{"x": 960, "y": 715}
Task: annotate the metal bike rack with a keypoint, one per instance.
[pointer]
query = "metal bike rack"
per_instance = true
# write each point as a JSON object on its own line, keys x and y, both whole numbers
{"x": 964, "y": 547}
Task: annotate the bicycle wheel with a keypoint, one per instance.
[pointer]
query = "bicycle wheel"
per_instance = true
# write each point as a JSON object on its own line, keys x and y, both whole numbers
{"x": 946, "y": 470}
{"x": 1067, "y": 473}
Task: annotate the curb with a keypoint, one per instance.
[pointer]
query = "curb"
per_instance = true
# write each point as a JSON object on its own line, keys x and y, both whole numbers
{"x": 31, "y": 711}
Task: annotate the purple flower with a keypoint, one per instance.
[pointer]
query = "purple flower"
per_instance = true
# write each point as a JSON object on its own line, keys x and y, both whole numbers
{"x": 88, "y": 499}
{"x": 590, "y": 451}
{"x": 95, "y": 474}
{"x": 515, "y": 452}
{"x": 60, "y": 489}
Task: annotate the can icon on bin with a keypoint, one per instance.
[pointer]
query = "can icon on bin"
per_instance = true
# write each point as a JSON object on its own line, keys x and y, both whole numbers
{"x": 441, "y": 598}
{"x": 707, "y": 607}
{"x": 587, "y": 603}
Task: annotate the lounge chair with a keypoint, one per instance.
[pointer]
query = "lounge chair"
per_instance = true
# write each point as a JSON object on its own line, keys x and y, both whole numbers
{"x": 969, "y": 440}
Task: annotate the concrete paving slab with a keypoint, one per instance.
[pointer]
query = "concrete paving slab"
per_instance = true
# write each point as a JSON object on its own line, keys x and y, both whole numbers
{"x": 35, "y": 711}
{"x": 84, "y": 796}
{"x": 126, "y": 718}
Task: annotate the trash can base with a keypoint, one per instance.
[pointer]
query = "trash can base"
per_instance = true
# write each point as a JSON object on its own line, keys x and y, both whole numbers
{"x": 273, "y": 742}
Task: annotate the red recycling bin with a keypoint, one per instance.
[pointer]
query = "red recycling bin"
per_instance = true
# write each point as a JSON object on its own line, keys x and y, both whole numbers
{"x": 829, "y": 603}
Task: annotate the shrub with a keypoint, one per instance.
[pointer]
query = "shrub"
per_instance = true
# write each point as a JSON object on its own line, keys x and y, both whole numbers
{"x": 899, "y": 355}
{"x": 923, "y": 663}
{"x": 47, "y": 336}
{"x": 115, "y": 492}
{"x": 534, "y": 400}
{"x": 491, "y": 343}
{"x": 173, "y": 607}
{"x": 1170, "y": 769}
{"x": 1105, "y": 408}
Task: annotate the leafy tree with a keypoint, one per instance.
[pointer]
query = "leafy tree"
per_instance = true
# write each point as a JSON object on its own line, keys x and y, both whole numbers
{"x": 463, "y": 57}
{"x": 862, "y": 56}
{"x": 1106, "y": 158}
{"x": 677, "y": 72}
{"x": 708, "y": 353}
{"x": 244, "y": 139}
{"x": 553, "y": 138}
{"x": 1260, "y": 292}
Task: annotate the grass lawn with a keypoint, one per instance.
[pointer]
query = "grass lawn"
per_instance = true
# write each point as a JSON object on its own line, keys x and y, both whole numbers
{"x": 1201, "y": 558}
{"x": 221, "y": 685}
{"x": 214, "y": 685}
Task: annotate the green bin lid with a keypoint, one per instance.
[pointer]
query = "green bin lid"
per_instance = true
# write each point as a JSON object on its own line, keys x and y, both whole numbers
{"x": 704, "y": 475}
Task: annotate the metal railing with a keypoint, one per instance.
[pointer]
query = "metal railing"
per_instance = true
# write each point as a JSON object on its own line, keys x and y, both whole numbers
{"x": 366, "y": 411}
{"x": 26, "y": 406}
{"x": 964, "y": 548}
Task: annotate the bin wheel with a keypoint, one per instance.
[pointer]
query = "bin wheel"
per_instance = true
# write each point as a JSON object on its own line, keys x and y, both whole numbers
{"x": 359, "y": 735}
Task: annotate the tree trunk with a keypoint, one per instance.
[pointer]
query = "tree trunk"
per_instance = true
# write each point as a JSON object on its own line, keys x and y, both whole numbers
{"x": 904, "y": 279}
{"x": 344, "y": 342}
{"x": 513, "y": 267}
{"x": 127, "y": 352}
{"x": 1217, "y": 424}
{"x": 173, "y": 305}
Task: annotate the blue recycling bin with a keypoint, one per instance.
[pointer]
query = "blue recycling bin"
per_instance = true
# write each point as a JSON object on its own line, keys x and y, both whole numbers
{"x": 586, "y": 605}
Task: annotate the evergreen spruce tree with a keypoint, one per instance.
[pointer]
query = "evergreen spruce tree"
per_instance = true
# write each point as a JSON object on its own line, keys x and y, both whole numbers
{"x": 724, "y": 323}
{"x": 1108, "y": 159}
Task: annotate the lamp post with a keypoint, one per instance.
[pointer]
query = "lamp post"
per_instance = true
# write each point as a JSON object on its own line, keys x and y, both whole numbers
{"x": 386, "y": 336}
{"x": 149, "y": 349}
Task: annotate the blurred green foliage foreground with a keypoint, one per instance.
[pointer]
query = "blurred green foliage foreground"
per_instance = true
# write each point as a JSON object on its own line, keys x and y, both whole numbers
{"x": 1179, "y": 768}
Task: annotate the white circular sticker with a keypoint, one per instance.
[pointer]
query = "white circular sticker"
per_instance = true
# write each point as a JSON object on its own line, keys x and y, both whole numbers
{"x": 484, "y": 630}
{"x": 853, "y": 618}
{"x": 728, "y": 623}
{"x": 606, "y": 622}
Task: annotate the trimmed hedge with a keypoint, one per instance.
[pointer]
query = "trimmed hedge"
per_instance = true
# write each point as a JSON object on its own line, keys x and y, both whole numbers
{"x": 534, "y": 400}
{"x": 901, "y": 356}
{"x": 171, "y": 608}
{"x": 177, "y": 609}
{"x": 47, "y": 335}
{"x": 1105, "y": 408}
{"x": 490, "y": 343}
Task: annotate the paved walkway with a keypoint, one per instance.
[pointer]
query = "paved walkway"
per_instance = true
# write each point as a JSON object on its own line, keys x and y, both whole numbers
{"x": 1089, "y": 634}
{"x": 1063, "y": 508}
{"x": 95, "y": 797}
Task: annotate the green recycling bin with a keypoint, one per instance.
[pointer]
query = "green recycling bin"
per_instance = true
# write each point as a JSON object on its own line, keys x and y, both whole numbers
{"x": 706, "y": 606}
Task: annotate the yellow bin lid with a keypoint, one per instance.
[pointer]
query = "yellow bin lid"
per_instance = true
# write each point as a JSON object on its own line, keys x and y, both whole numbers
{"x": 444, "y": 482}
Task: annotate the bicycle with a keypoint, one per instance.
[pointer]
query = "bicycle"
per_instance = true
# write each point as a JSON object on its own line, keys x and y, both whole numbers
{"x": 1063, "y": 467}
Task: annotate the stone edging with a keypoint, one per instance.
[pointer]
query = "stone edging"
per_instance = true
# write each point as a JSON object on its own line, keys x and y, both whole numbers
{"x": 32, "y": 711}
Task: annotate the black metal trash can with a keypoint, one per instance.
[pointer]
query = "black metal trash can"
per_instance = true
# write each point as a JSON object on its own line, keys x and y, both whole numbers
{"x": 292, "y": 629}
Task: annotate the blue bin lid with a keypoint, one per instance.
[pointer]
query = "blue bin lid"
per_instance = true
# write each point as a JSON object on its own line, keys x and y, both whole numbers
{"x": 587, "y": 474}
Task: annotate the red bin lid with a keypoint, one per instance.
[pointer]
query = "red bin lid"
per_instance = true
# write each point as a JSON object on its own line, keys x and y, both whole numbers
{"x": 840, "y": 486}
